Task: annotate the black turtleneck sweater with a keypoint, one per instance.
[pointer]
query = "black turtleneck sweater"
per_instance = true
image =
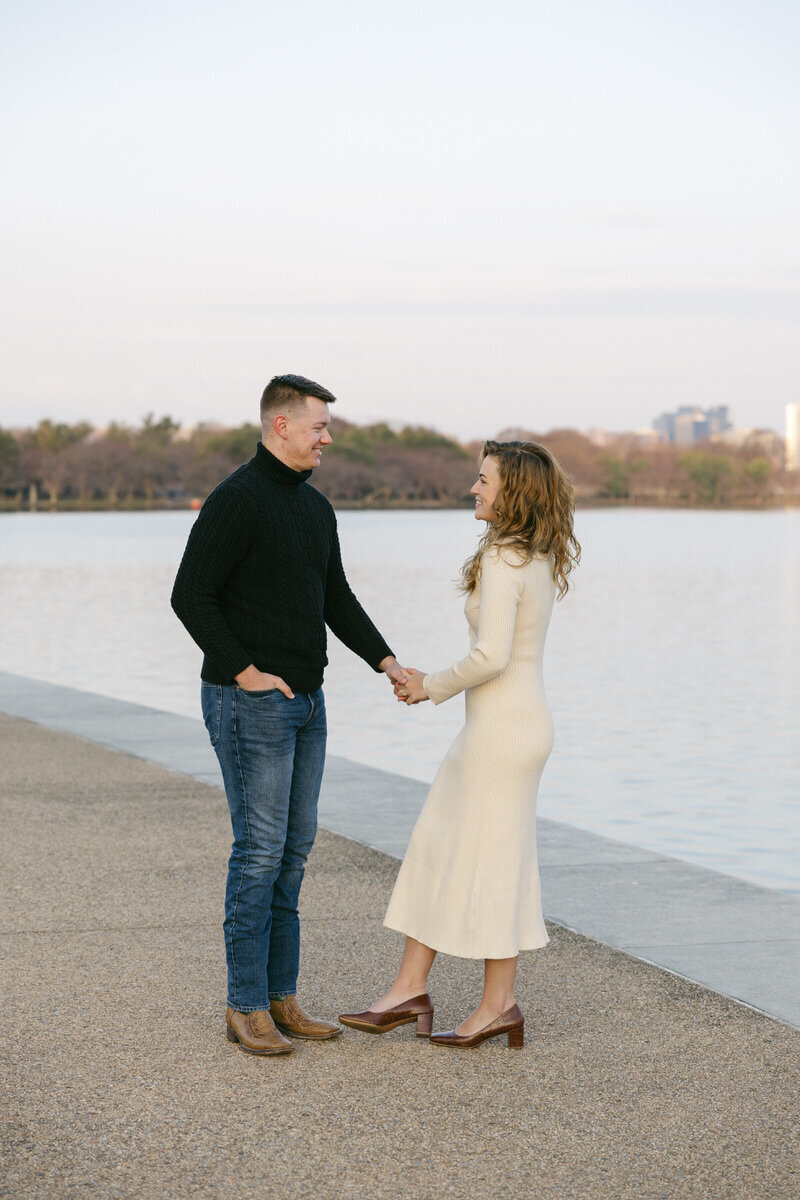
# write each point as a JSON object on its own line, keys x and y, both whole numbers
{"x": 262, "y": 575}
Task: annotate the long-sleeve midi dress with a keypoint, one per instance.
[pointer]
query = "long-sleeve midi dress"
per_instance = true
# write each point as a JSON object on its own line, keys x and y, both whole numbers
{"x": 469, "y": 882}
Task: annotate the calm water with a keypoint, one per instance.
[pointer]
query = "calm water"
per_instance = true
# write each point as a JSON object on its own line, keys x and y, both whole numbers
{"x": 673, "y": 669}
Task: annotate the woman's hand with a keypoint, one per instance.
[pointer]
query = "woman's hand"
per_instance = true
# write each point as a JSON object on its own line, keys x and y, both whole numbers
{"x": 412, "y": 691}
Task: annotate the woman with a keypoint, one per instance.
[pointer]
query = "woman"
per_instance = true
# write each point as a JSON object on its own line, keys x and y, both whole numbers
{"x": 469, "y": 883}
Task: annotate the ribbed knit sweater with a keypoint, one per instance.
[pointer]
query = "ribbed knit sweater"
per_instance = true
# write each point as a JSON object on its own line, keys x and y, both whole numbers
{"x": 262, "y": 576}
{"x": 469, "y": 883}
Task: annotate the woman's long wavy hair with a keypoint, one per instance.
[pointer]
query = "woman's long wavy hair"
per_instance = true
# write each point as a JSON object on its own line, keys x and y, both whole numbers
{"x": 534, "y": 507}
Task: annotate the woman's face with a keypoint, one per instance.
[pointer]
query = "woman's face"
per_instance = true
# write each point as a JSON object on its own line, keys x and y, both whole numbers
{"x": 486, "y": 489}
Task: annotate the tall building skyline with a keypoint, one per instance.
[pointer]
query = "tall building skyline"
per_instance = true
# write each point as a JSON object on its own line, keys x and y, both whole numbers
{"x": 690, "y": 423}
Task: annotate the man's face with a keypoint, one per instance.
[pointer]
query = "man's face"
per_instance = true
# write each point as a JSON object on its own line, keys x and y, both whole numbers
{"x": 307, "y": 433}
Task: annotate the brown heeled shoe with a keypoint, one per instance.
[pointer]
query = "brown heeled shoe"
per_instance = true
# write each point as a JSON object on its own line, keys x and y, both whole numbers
{"x": 419, "y": 1009}
{"x": 511, "y": 1022}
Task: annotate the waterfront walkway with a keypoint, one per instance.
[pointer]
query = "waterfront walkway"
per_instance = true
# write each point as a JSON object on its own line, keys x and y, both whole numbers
{"x": 732, "y": 936}
{"x": 118, "y": 1080}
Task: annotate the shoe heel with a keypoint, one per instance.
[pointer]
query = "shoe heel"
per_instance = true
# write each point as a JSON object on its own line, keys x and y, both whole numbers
{"x": 230, "y": 1034}
{"x": 516, "y": 1038}
{"x": 425, "y": 1024}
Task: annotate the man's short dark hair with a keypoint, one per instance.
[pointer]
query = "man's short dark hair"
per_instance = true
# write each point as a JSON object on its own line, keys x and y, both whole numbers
{"x": 287, "y": 391}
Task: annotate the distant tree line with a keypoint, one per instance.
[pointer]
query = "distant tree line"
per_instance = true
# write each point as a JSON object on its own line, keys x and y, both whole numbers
{"x": 158, "y": 465}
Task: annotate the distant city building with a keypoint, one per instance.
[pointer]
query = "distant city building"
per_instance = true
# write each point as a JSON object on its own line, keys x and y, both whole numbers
{"x": 793, "y": 437}
{"x": 692, "y": 424}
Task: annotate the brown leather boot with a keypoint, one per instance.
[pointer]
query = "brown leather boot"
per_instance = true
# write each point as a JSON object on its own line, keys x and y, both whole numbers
{"x": 290, "y": 1018}
{"x": 255, "y": 1032}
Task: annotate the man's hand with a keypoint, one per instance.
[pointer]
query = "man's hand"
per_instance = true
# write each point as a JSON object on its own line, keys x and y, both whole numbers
{"x": 253, "y": 680}
{"x": 411, "y": 691}
{"x": 392, "y": 669}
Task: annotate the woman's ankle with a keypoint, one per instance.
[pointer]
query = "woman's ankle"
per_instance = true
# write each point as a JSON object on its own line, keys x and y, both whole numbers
{"x": 496, "y": 1005}
{"x": 399, "y": 994}
{"x": 393, "y": 997}
{"x": 410, "y": 987}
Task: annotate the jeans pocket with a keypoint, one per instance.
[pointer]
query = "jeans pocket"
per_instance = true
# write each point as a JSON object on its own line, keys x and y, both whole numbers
{"x": 211, "y": 705}
{"x": 268, "y": 694}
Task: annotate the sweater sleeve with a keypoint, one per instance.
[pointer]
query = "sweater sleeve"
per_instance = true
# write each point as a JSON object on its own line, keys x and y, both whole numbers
{"x": 501, "y": 591}
{"x": 345, "y": 616}
{"x": 219, "y": 539}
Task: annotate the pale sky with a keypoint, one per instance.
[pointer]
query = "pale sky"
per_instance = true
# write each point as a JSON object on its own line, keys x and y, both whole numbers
{"x": 455, "y": 213}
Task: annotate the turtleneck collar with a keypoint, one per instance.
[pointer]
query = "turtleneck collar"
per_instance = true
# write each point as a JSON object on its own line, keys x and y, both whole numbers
{"x": 266, "y": 461}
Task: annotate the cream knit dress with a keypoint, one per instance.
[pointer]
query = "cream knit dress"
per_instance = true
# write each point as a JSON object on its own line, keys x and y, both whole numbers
{"x": 469, "y": 883}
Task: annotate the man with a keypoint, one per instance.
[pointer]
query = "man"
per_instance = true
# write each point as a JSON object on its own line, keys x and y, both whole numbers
{"x": 260, "y": 579}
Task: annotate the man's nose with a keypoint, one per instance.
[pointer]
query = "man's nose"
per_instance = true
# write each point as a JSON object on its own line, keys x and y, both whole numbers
{"x": 326, "y": 438}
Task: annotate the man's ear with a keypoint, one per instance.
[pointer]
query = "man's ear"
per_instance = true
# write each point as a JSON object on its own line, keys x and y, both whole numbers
{"x": 280, "y": 424}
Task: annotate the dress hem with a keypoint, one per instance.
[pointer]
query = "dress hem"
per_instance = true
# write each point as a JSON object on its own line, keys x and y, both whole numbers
{"x": 445, "y": 947}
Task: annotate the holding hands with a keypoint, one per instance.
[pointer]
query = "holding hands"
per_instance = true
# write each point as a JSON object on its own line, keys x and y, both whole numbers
{"x": 410, "y": 690}
{"x": 406, "y": 681}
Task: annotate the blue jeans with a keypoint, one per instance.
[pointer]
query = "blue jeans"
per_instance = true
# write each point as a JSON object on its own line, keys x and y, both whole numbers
{"x": 272, "y": 754}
